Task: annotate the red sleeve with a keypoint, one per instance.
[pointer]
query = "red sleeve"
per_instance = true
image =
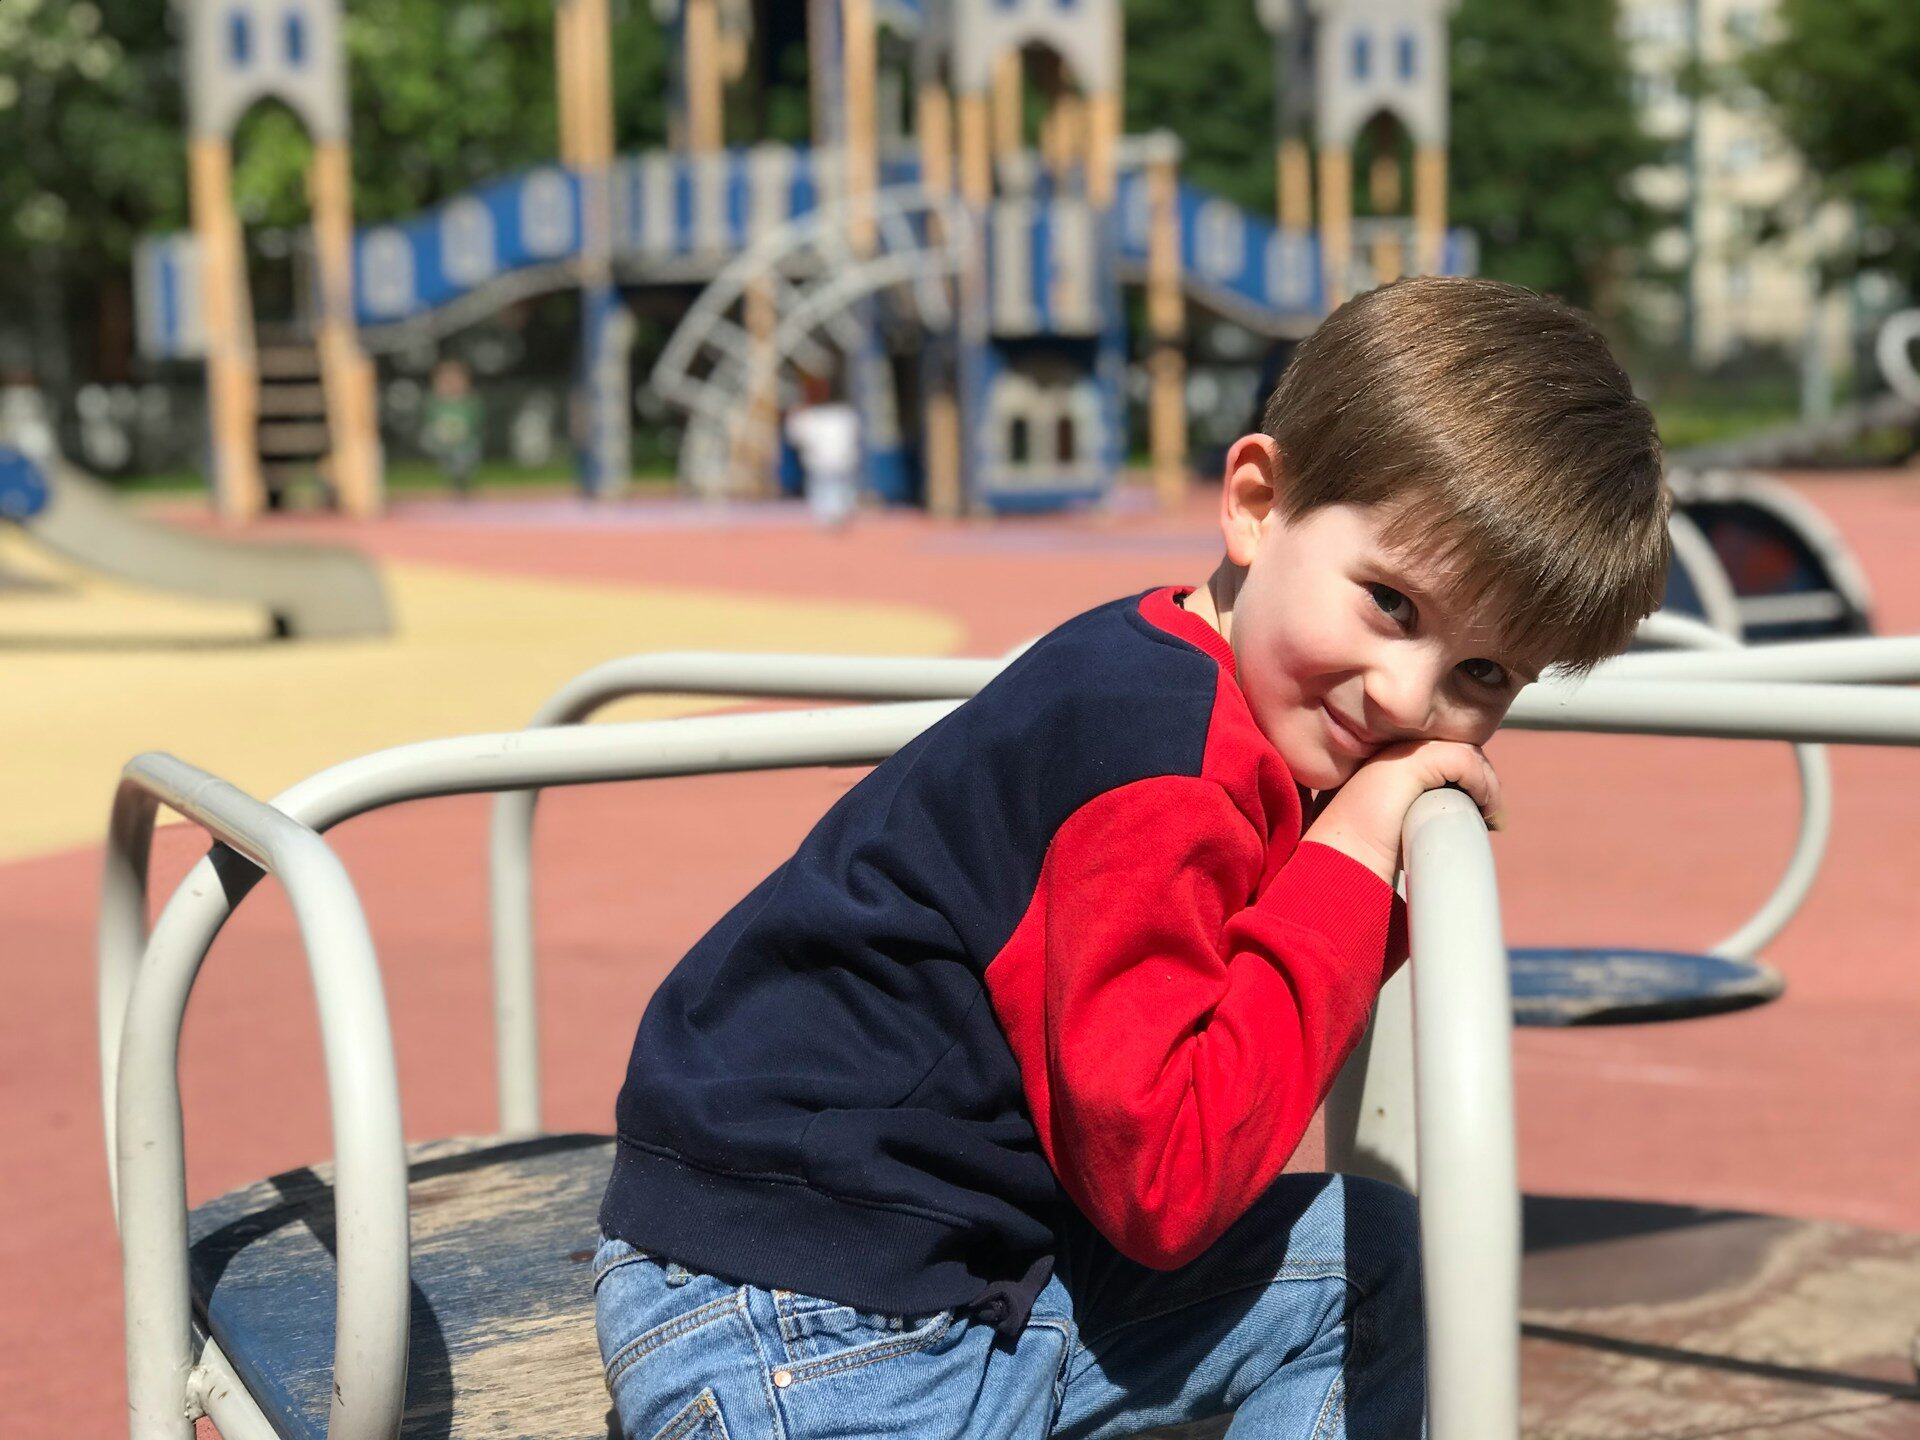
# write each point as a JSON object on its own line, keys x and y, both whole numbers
{"x": 1191, "y": 1027}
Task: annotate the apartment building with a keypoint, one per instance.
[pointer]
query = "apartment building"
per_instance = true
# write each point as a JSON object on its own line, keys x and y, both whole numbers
{"x": 1727, "y": 168}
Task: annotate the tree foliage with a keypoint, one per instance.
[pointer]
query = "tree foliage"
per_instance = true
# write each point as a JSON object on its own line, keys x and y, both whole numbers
{"x": 1844, "y": 77}
{"x": 1544, "y": 137}
{"x": 1210, "y": 81}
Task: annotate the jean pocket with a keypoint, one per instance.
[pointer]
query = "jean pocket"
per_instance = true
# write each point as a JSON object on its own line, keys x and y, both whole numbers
{"x": 821, "y": 1337}
{"x": 701, "y": 1420}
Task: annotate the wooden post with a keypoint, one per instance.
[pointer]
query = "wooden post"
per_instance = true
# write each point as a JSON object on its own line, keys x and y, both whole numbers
{"x": 976, "y": 151}
{"x": 1336, "y": 221}
{"x": 1296, "y": 184}
{"x": 1103, "y": 141}
{"x": 700, "y": 35}
{"x": 940, "y": 432}
{"x": 1430, "y": 206}
{"x": 858, "y": 77}
{"x": 1166, "y": 324}
{"x": 346, "y": 374}
{"x": 233, "y": 382}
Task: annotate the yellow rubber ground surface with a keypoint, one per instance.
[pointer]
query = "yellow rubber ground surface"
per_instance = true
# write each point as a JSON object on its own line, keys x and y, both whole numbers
{"x": 92, "y": 672}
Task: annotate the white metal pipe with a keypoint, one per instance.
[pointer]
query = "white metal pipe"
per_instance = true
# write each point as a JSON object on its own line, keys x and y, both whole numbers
{"x": 370, "y": 1188}
{"x": 1816, "y": 802}
{"x": 1886, "y": 660}
{"x": 1723, "y": 709}
{"x": 1368, "y": 1117}
{"x": 1469, "y": 1178}
{"x": 516, "y": 1029}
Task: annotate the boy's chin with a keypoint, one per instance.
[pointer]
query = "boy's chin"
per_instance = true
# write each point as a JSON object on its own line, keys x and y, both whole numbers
{"x": 1316, "y": 769}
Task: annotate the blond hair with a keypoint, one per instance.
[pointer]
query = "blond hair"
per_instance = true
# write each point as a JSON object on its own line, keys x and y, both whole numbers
{"x": 1506, "y": 446}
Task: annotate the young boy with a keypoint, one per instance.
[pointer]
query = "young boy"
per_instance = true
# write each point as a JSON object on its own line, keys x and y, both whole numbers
{"x": 970, "y": 1119}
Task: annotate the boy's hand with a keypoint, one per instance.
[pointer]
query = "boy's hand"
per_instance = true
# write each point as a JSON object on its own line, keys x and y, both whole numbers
{"x": 1363, "y": 818}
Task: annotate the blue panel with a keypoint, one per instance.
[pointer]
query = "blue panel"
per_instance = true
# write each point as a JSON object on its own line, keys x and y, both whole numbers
{"x": 239, "y": 39}
{"x": 1362, "y": 55}
{"x": 295, "y": 31}
{"x": 23, "y": 488}
{"x": 805, "y": 195}
{"x": 739, "y": 200}
{"x": 167, "y": 281}
{"x": 682, "y": 205}
{"x": 1040, "y": 267}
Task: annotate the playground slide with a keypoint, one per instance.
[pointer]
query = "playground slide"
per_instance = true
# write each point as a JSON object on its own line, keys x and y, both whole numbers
{"x": 309, "y": 591}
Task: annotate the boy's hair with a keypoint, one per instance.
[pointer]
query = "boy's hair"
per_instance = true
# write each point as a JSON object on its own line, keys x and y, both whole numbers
{"x": 1505, "y": 443}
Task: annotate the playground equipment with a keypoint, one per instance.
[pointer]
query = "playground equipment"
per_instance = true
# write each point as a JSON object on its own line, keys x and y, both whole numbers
{"x": 1005, "y": 391}
{"x": 241, "y": 1324}
{"x": 1792, "y": 576}
{"x": 308, "y": 591}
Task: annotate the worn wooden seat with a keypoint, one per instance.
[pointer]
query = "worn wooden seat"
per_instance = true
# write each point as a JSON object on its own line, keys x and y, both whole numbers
{"x": 1617, "y": 986}
{"x": 502, "y": 1340}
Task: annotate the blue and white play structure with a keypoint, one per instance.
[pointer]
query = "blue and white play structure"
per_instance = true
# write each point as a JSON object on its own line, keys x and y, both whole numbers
{"x": 830, "y": 255}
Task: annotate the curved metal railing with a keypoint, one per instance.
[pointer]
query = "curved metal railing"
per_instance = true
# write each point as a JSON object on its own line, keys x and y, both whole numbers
{"x": 144, "y": 984}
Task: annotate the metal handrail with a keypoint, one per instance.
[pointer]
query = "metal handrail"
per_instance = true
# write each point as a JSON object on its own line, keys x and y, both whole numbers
{"x": 1816, "y": 798}
{"x": 510, "y": 842}
{"x": 578, "y": 755}
{"x": 144, "y": 998}
{"x": 144, "y": 984}
{"x": 1462, "y": 1045}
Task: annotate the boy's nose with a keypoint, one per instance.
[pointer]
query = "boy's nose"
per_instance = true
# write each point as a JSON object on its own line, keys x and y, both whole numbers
{"x": 1403, "y": 698}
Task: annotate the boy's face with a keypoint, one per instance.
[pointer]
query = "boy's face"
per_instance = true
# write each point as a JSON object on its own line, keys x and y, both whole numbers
{"x": 1344, "y": 647}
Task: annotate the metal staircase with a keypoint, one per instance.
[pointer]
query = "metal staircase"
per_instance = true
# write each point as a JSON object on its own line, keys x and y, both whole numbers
{"x": 807, "y": 269}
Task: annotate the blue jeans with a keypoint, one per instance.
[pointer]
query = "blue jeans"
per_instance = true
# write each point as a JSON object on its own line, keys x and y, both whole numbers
{"x": 1303, "y": 1321}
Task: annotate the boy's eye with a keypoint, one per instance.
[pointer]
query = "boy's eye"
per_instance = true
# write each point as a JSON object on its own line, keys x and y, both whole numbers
{"x": 1392, "y": 603}
{"x": 1485, "y": 672}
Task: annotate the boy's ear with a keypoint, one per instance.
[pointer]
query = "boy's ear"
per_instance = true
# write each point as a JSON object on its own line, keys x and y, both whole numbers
{"x": 1249, "y": 492}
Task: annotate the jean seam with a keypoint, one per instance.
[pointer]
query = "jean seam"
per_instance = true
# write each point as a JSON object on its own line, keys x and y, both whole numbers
{"x": 1333, "y": 1410}
{"x": 776, "y": 1427}
{"x": 674, "y": 1329}
{"x": 873, "y": 1352}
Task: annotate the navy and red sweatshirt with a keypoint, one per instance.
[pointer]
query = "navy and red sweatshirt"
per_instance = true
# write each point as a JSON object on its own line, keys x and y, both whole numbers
{"x": 1065, "y": 943}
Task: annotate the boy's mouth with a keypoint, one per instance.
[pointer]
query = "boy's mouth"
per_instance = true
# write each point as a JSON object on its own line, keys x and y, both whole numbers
{"x": 1348, "y": 737}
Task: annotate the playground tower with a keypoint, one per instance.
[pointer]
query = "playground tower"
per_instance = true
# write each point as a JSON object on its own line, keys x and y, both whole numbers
{"x": 239, "y": 52}
{"x": 1352, "y": 70}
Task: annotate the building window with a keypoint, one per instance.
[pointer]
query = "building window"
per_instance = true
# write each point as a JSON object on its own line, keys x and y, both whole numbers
{"x": 1019, "y": 441}
{"x": 296, "y": 37}
{"x": 1362, "y": 55}
{"x": 1065, "y": 440}
{"x": 1406, "y": 56}
{"x": 239, "y": 38}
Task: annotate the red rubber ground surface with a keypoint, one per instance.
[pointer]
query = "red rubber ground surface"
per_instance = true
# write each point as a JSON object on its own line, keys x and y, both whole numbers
{"x": 1805, "y": 1107}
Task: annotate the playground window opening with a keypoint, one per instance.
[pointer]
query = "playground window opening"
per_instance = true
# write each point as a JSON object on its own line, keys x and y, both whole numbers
{"x": 1407, "y": 56}
{"x": 295, "y": 36}
{"x": 1362, "y": 55}
{"x": 1019, "y": 441}
{"x": 239, "y": 38}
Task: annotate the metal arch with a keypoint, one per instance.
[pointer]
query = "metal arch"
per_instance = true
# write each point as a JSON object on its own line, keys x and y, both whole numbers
{"x": 144, "y": 984}
{"x": 1816, "y": 801}
{"x": 510, "y": 836}
{"x": 816, "y": 245}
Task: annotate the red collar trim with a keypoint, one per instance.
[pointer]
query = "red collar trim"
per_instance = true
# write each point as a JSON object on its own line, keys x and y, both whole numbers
{"x": 1162, "y": 609}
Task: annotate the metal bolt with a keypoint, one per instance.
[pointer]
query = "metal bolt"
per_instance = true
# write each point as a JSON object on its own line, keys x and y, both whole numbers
{"x": 783, "y": 1378}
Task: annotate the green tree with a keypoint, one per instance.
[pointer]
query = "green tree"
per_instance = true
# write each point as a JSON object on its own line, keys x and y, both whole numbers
{"x": 1844, "y": 77}
{"x": 1544, "y": 138}
{"x": 1210, "y": 82}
